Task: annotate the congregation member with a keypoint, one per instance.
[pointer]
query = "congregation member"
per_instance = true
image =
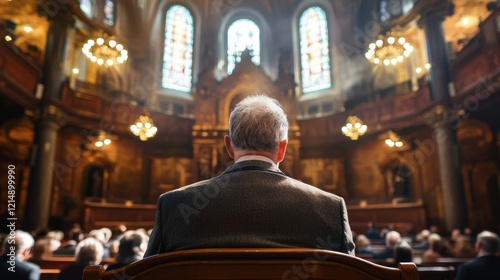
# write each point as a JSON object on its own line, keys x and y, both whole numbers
{"x": 487, "y": 264}
{"x": 13, "y": 264}
{"x": 252, "y": 203}
{"x": 391, "y": 240}
{"x": 88, "y": 252}
{"x": 131, "y": 248}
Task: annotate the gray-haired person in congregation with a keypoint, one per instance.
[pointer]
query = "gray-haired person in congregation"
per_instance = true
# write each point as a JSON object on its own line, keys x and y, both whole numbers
{"x": 487, "y": 264}
{"x": 252, "y": 203}
{"x": 13, "y": 264}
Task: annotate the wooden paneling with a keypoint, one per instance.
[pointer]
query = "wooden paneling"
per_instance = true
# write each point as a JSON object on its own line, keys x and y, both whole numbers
{"x": 111, "y": 215}
{"x": 402, "y": 216}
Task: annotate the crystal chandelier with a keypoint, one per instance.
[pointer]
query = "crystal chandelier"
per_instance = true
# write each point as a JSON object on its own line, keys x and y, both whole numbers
{"x": 393, "y": 140}
{"x": 104, "y": 50}
{"x": 144, "y": 128}
{"x": 354, "y": 128}
{"x": 389, "y": 49}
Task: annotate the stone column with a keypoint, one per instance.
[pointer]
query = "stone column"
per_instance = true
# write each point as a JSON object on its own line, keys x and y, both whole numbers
{"x": 40, "y": 184}
{"x": 50, "y": 119}
{"x": 442, "y": 118}
{"x": 443, "y": 121}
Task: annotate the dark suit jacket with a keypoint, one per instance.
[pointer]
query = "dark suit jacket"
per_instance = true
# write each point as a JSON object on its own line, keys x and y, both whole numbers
{"x": 482, "y": 268}
{"x": 23, "y": 270}
{"x": 251, "y": 204}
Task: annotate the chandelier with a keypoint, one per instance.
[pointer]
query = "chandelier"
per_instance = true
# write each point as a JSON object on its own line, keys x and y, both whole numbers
{"x": 354, "y": 128}
{"x": 144, "y": 128}
{"x": 104, "y": 50}
{"x": 393, "y": 140}
{"x": 389, "y": 49}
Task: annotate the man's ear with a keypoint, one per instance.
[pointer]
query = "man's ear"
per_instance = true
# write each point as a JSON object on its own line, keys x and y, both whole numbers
{"x": 281, "y": 150}
{"x": 24, "y": 254}
{"x": 229, "y": 148}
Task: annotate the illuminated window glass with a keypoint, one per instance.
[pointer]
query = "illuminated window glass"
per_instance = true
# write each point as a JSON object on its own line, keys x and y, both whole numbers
{"x": 178, "y": 49}
{"x": 314, "y": 50}
{"x": 109, "y": 12}
{"x": 86, "y": 7}
{"x": 242, "y": 34}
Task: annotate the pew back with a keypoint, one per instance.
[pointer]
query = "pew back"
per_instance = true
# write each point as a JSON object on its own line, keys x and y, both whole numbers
{"x": 254, "y": 263}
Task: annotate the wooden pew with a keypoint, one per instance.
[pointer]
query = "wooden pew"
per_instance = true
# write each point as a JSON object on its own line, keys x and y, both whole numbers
{"x": 253, "y": 263}
{"x": 61, "y": 262}
{"x": 49, "y": 274}
{"x": 446, "y": 262}
{"x": 436, "y": 273}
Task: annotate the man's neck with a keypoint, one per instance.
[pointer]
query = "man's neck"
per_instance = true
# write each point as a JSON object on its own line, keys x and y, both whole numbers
{"x": 243, "y": 153}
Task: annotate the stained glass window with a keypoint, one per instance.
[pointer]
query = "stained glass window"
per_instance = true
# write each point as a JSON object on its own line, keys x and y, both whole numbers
{"x": 109, "y": 12}
{"x": 242, "y": 34}
{"x": 178, "y": 49}
{"x": 86, "y": 7}
{"x": 314, "y": 50}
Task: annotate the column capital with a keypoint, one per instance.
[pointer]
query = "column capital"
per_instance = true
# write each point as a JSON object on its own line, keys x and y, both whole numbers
{"x": 57, "y": 11}
{"x": 53, "y": 116}
{"x": 442, "y": 115}
{"x": 436, "y": 12}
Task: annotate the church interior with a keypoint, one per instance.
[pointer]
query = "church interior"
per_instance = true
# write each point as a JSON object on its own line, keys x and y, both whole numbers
{"x": 393, "y": 104}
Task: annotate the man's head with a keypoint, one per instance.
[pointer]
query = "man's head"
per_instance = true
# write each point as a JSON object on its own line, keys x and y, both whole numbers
{"x": 487, "y": 242}
{"x": 132, "y": 247}
{"x": 258, "y": 125}
{"x": 89, "y": 251}
{"x": 392, "y": 238}
{"x": 22, "y": 242}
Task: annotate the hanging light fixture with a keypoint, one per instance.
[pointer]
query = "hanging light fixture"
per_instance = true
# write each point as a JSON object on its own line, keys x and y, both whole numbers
{"x": 393, "y": 140}
{"x": 144, "y": 128}
{"x": 354, "y": 128}
{"x": 389, "y": 49}
{"x": 104, "y": 50}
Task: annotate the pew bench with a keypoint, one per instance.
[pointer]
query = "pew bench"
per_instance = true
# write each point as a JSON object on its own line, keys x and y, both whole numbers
{"x": 61, "y": 262}
{"x": 253, "y": 263}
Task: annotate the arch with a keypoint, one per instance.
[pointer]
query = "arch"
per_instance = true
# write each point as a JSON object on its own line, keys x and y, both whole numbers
{"x": 239, "y": 90}
{"x": 88, "y": 8}
{"x": 93, "y": 181}
{"x": 178, "y": 48}
{"x": 265, "y": 38}
{"x": 242, "y": 34}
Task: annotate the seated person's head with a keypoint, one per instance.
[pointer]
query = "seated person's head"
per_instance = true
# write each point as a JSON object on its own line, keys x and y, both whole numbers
{"x": 362, "y": 241}
{"x": 392, "y": 238}
{"x": 89, "y": 251}
{"x": 131, "y": 248}
{"x": 258, "y": 123}
{"x": 23, "y": 244}
{"x": 487, "y": 242}
{"x": 402, "y": 253}
{"x": 41, "y": 248}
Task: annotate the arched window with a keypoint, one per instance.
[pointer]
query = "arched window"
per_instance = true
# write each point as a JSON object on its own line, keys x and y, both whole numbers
{"x": 178, "y": 49}
{"x": 314, "y": 50}
{"x": 242, "y": 34}
{"x": 109, "y": 12}
{"x": 86, "y": 7}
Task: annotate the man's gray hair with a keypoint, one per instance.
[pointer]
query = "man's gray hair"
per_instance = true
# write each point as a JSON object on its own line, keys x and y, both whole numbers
{"x": 89, "y": 251}
{"x": 258, "y": 123}
{"x": 489, "y": 241}
{"x": 23, "y": 241}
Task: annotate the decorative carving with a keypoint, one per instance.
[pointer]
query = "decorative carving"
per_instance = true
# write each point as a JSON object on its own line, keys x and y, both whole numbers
{"x": 442, "y": 115}
{"x": 53, "y": 116}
